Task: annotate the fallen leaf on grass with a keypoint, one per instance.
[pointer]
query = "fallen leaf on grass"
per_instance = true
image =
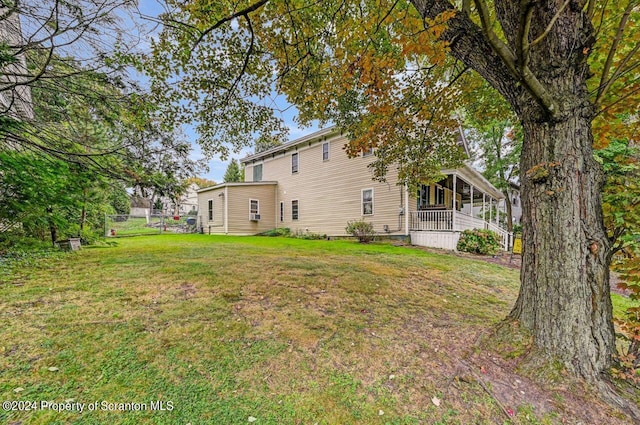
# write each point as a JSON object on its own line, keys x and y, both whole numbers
{"x": 53, "y": 369}
{"x": 436, "y": 401}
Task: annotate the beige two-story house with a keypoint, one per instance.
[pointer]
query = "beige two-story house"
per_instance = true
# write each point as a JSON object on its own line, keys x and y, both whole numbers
{"x": 311, "y": 185}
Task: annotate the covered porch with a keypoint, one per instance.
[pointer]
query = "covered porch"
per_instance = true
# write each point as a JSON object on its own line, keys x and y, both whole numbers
{"x": 463, "y": 200}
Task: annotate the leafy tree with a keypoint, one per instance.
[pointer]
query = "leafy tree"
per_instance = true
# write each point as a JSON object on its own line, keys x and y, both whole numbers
{"x": 387, "y": 71}
{"x": 265, "y": 143}
{"x": 201, "y": 182}
{"x": 34, "y": 55}
{"x": 233, "y": 173}
{"x": 621, "y": 198}
{"x": 496, "y": 139}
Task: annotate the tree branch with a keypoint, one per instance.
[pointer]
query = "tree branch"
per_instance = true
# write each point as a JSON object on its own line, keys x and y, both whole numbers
{"x": 243, "y": 12}
{"x": 522, "y": 48}
{"x": 605, "y": 82}
{"x": 498, "y": 45}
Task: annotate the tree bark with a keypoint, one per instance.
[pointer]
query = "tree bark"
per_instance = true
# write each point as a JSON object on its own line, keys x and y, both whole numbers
{"x": 564, "y": 298}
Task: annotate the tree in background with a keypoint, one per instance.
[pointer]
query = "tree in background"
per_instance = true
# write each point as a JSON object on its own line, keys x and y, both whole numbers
{"x": 386, "y": 72}
{"x": 234, "y": 173}
{"x": 495, "y": 139}
{"x": 201, "y": 182}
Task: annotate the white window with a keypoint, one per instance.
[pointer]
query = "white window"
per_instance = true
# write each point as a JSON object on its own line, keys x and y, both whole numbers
{"x": 257, "y": 173}
{"x": 294, "y": 163}
{"x": 367, "y": 152}
{"x": 281, "y": 212}
{"x": 325, "y": 151}
{"x": 254, "y": 207}
{"x": 294, "y": 210}
{"x": 367, "y": 201}
{"x": 210, "y": 209}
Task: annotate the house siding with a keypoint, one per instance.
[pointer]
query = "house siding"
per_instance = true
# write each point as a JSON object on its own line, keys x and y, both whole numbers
{"x": 329, "y": 192}
{"x": 234, "y": 218}
{"x": 217, "y": 224}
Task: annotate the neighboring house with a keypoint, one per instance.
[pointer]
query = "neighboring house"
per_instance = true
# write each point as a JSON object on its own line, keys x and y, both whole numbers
{"x": 310, "y": 185}
{"x": 188, "y": 202}
{"x": 15, "y": 94}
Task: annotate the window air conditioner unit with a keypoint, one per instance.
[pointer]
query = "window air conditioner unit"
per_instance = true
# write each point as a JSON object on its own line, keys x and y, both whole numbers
{"x": 255, "y": 217}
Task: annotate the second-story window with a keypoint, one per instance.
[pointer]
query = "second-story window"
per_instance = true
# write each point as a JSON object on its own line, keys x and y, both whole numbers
{"x": 367, "y": 152}
{"x": 257, "y": 173}
{"x": 325, "y": 151}
{"x": 294, "y": 163}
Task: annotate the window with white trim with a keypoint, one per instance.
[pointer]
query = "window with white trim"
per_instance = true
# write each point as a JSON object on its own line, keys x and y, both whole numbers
{"x": 294, "y": 163}
{"x": 210, "y": 209}
{"x": 257, "y": 173}
{"x": 294, "y": 210}
{"x": 367, "y": 201}
{"x": 325, "y": 151}
{"x": 367, "y": 152}
{"x": 254, "y": 207}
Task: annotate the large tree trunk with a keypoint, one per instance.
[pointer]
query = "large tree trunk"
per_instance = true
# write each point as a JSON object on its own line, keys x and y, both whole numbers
{"x": 564, "y": 299}
{"x": 540, "y": 67}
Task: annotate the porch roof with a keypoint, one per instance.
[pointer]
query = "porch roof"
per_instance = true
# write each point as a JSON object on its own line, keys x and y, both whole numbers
{"x": 477, "y": 180}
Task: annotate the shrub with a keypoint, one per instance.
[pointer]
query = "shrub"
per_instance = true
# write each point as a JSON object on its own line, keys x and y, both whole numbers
{"x": 307, "y": 235}
{"x": 280, "y": 231}
{"x": 361, "y": 230}
{"x": 479, "y": 241}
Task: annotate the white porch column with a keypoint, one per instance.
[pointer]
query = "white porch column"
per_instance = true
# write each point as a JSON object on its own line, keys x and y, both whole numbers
{"x": 471, "y": 191}
{"x": 483, "y": 206}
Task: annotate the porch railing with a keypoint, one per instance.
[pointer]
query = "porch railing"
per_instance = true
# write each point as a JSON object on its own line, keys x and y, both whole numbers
{"x": 431, "y": 220}
{"x": 449, "y": 220}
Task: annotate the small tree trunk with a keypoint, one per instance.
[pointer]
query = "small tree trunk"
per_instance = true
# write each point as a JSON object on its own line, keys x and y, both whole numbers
{"x": 564, "y": 299}
{"x": 53, "y": 230}
{"x": 509, "y": 210}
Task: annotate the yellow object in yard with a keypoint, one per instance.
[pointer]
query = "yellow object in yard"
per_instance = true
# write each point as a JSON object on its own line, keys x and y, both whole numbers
{"x": 517, "y": 246}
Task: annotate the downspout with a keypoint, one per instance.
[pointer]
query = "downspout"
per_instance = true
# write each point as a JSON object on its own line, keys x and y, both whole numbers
{"x": 226, "y": 210}
{"x": 406, "y": 209}
{"x": 455, "y": 201}
{"x": 401, "y": 211}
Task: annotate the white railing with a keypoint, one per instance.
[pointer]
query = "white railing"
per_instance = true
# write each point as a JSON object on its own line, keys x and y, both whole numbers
{"x": 466, "y": 222}
{"x": 448, "y": 220}
{"x": 505, "y": 236}
{"x": 431, "y": 220}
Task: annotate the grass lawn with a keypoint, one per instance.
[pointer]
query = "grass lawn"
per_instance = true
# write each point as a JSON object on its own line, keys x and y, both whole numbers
{"x": 229, "y": 330}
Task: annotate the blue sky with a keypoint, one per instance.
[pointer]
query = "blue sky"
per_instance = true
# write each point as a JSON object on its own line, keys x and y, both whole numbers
{"x": 216, "y": 166}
